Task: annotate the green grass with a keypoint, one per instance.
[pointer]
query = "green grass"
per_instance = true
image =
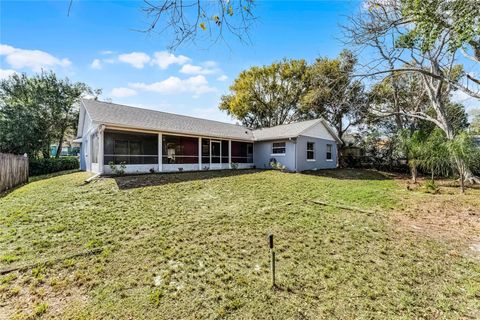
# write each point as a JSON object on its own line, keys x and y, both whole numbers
{"x": 194, "y": 245}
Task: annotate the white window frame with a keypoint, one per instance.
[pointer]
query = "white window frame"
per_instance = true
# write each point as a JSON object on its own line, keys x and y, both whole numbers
{"x": 273, "y": 154}
{"x": 331, "y": 152}
{"x": 311, "y": 150}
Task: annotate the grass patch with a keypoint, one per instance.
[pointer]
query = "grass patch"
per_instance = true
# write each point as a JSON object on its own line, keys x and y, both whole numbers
{"x": 193, "y": 245}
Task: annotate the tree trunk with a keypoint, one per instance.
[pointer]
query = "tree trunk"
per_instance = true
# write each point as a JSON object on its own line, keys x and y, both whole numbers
{"x": 413, "y": 170}
{"x": 60, "y": 144}
{"x": 46, "y": 153}
{"x": 462, "y": 183}
{"x": 59, "y": 148}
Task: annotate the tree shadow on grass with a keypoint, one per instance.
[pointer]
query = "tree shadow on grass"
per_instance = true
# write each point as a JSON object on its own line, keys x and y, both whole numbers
{"x": 157, "y": 179}
{"x": 351, "y": 174}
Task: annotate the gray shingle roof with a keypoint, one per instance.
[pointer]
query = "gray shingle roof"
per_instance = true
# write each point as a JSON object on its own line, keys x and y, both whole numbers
{"x": 284, "y": 131}
{"x": 139, "y": 118}
{"x": 121, "y": 115}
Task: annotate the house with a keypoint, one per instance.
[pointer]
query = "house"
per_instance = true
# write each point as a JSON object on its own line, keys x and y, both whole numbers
{"x": 153, "y": 141}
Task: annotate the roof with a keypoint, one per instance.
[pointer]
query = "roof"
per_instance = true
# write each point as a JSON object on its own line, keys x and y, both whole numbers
{"x": 121, "y": 115}
{"x": 138, "y": 118}
{"x": 284, "y": 131}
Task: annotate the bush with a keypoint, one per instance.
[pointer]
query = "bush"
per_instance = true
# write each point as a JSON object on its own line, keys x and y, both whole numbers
{"x": 50, "y": 165}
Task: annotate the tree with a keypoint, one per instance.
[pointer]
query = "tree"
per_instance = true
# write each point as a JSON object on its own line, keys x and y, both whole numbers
{"x": 413, "y": 145}
{"x": 435, "y": 154}
{"x": 460, "y": 19}
{"x": 190, "y": 20}
{"x": 269, "y": 95}
{"x": 386, "y": 27}
{"x": 36, "y": 111}
{"x": 334, "y": 94}
{"x": 465, "y": 155}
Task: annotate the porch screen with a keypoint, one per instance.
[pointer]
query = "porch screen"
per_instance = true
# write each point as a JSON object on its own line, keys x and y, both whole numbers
{"x": 177, "y": 149}
{"x": 242, "y": 152}
{"x": 205, "y": 151}
{"x": 130, "y": 148}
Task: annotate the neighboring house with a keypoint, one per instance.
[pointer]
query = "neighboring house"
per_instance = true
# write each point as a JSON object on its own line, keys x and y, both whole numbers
{"x": 147, "y": 140}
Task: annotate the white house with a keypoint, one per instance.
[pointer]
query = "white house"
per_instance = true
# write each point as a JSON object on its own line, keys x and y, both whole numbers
{"x": 147, "y": 140}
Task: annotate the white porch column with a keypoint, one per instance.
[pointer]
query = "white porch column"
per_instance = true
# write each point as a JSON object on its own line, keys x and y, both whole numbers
{"x": 160, "y": 152}
{"x": 199, "y": 153}
{"x": 230, "y": 154}
{"x": 100, "y": 148}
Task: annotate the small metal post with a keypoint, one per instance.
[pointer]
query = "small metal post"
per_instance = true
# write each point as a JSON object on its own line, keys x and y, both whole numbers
{"x": 272, "y": 262}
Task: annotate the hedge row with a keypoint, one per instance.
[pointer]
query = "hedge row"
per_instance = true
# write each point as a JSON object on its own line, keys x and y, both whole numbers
{"x": 50, "y": 165}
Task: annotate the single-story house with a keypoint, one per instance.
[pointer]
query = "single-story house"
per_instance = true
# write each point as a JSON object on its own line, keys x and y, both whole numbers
{"x": 153, "y": 141}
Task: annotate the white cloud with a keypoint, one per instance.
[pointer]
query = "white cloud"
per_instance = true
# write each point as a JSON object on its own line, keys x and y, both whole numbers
{"x": 208, "y": 67}
{"x": 136, "y": 59}
{"x": 164, "y": 59}
{"x": 174, "y": 85}
{"x": 123, "y": 92}
{"x": 106, "y": 52}
{"x": 33, "y": 59}
{"x": 96, "y": 64}
{"x": 5, "y": 73}
{"x": 222, "y": 78}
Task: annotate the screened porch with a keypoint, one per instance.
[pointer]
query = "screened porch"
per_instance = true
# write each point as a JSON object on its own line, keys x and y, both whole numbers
{"x": 147, "y": 152}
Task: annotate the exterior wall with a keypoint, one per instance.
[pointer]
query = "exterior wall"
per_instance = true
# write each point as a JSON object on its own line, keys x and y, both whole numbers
{"x": 85, "y": 144}
{"x": 320, "y": 149}
{"x": 262, "y": 154}
{"x": 134, "y": 168}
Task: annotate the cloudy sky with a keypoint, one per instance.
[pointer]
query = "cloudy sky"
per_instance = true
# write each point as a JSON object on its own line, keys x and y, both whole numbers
{"x": 100, "y": 44}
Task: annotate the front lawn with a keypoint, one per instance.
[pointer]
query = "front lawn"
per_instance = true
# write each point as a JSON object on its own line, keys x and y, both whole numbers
{"x": 194, "y": 246}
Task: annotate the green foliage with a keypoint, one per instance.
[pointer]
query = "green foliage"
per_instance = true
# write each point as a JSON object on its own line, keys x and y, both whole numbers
{"x": 51, "y": 165}
{"x": 434, "y": 18}
{"x": 36, "y": 111}
{"x": 269, "y": 95}
{"x": 119, "y": 169}
{"x": 435, "y": 156}
{"x": 334, "y": 94}
{"x": 431, "y": 187}
{"x": 40, "y": 309}
{"x": 276, "y": 165}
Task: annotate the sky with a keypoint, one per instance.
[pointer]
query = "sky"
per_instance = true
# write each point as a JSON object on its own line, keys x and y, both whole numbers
{"x": 102, "y": 44}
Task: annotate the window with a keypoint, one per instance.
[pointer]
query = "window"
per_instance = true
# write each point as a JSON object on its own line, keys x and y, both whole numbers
{"x": 278, "y": 148}
{"x": 329, "y": 152}
{"x": 311, "y": 151}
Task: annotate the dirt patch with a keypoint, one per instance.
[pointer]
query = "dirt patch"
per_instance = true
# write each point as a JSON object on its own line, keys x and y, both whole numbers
{"x": 446, "y": 216}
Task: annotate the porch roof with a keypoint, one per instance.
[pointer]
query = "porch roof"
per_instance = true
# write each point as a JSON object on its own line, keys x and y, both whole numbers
{"x": 138, "y": 118}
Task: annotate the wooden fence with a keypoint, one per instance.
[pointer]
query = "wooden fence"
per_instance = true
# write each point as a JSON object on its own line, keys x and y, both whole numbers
{"x": 13, "y": 171}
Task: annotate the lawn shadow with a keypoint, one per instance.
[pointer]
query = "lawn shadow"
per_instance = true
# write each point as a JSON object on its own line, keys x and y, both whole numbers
{"x": 351, "y": 174}
{"x": 157, "y": 179}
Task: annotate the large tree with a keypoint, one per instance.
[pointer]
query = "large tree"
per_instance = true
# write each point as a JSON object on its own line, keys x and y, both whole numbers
{"x": 334, "y": 93}
{"x": 386, "y": 26}
{"x": 459, "y": 19}
{"x": 37, "y": 111}
{"x": 269, "y": 95}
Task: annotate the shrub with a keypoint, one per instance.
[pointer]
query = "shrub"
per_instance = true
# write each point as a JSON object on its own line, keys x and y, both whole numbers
{"x": 50, "y": 165}
{"x": 119, "y": 171}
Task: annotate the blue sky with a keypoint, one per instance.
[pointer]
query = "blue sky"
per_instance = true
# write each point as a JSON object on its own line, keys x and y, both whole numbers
{"x": 97, "y": 44}
{"x": 190, "y": 82}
